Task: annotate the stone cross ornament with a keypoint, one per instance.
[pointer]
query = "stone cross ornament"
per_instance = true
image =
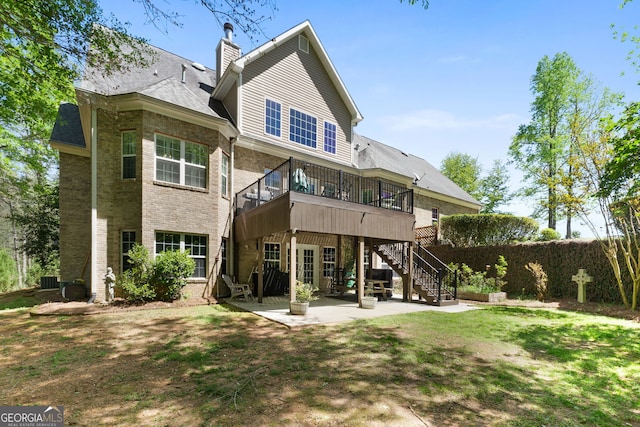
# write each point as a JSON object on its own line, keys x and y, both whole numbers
{"x": 582, "y": 278}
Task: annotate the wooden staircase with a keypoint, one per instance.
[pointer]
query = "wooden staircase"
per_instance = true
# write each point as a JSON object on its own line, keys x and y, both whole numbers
{"x": 432, "y": 280}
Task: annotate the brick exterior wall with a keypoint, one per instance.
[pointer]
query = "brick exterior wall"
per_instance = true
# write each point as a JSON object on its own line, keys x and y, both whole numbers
{"x": 141, "y": 204}
{"x": 75, "y": 214}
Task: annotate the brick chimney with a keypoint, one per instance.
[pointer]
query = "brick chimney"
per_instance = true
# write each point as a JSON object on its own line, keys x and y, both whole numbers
{"x": 226, "y": 52}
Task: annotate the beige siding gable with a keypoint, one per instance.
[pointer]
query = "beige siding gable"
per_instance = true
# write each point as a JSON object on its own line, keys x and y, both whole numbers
{"x": 298, "y": 80}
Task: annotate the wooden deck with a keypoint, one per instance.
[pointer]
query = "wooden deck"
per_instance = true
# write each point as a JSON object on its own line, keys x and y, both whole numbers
{"x": 309, "y": 213}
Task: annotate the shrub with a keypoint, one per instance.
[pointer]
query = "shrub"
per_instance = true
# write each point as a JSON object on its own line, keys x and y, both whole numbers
{"x": 477, "y": 281}
{"x": 548, "y": 234}
{"x": 540, "y": 279}
{"x": 8, "y": 272}
{"x": 170, "y": 272}
{"x": 134, "y": 283}
{"x": 133, "y": 290}
{"x": 160, "y": 279}
{"x": 487, "y": 229}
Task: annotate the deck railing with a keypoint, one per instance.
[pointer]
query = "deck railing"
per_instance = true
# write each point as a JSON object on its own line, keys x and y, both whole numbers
{"x": 304, "y": 177}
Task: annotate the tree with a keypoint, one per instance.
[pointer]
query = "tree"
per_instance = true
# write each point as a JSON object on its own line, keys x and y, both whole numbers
{"x": 40, "y": 220}
{"x": 615, "y": 192}
{"x": 464, "y": 170}
{"x": 538, "y": 148}
{"x": 493, "y": 188}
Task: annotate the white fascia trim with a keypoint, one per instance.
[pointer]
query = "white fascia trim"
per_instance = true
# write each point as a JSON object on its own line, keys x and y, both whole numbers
{"x": 71, "y": 149}
{"x": 445, "y": 198}
{"x": 241, "y": 62}
{"x": 136, "y": 101}
{"x": 266, "y": 146}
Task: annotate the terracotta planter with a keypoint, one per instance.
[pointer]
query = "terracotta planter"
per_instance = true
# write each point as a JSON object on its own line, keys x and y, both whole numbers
{"x": 492, "y": 297}
{"x": 298, "y": 307}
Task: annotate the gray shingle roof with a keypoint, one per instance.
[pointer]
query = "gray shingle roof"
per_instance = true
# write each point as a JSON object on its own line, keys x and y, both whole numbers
{"x": 373, "y": 154}
{"x": 68, "y": 128}
{"x": 161, "y": 79}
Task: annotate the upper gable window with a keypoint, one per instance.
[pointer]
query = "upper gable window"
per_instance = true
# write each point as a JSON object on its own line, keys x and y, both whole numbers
{"x": 181, "y": 162}
{"x": 272, "y": 117}
{"x": 329, "y": 138}
{"x": 303, "y": 43}
{"x": 303, "y": 128}
{"x": 128, "y": 154}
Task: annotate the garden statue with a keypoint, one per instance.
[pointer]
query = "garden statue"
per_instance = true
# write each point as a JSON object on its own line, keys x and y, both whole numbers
{"x": 110, "y": 283}
{"x": 582, "y": 278}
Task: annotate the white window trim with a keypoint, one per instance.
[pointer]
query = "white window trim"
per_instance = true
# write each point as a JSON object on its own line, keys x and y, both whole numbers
{"x": 225, "y": 194}
{"x": 323, "y": 138}
{"x": 317, "y": 121}
{"x": 183, "y": 163}
{"x": 123, "y": 155}
{"x": 334, "y": 262}
{"x": 264, "y": 129}
{"x": 183, "y": 248}
{"x": 303, "y": 43}
{"x": 279, "y": 260}
{"x": 123, "y": 254}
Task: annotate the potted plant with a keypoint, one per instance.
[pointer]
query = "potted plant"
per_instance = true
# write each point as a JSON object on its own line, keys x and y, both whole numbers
{"x": 304, "y": 294}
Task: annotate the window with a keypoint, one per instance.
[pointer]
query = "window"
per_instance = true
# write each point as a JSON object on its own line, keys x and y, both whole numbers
{"x": 224, "y": 175}
{"x": 197, "y": 247}
{"x": 302, "y": 128}
{"x": 273, "y": 118}
{"x": 329, "y": 138}
{"x": 434, "y": 216}
{"x": 303, "y": 43}
{"x": 196, "y": 244}
{"x": 128, "y": 154}
{"x": 272, "y": 255}
{"x": 128, "y": 240}
{"x": 328, "y": 261}
{"x": 167, "y": 242}
{"x": 223, "y": 256}
{"x": 181, "y": 162}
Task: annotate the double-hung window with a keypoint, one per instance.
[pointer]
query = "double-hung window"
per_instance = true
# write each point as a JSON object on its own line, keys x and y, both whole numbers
{"x": 302, "y": 128}
{"x": 128, "y": 240}
{"x": 195, "y": 244}
{"x": 181, "y": 162}
{"x": 128, "y": 154}
{"x": 273, "y": 117}
{"x": 328, "y": 261}
{"x": 329, "y": 138}
{"x": 224, "y": 175}
{"x": 272, "y": 255}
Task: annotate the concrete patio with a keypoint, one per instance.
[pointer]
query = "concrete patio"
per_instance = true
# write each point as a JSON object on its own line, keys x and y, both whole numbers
{"x": 329, "y": 309}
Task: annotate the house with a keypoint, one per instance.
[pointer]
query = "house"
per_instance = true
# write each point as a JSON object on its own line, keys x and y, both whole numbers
{"x": 253, "y": 164}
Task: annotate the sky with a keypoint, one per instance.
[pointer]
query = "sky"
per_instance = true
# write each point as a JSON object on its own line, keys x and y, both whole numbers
{"x": 451, "y": 78}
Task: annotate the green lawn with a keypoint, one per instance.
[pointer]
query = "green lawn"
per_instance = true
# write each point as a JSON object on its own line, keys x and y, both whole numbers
{"x": 211, "y": 365}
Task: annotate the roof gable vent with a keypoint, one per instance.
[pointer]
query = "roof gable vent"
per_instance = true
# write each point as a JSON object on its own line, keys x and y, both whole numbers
{"x": 303, "y": 43}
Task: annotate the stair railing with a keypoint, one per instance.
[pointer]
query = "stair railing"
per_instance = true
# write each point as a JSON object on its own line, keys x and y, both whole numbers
{"x": 428, "y": 270}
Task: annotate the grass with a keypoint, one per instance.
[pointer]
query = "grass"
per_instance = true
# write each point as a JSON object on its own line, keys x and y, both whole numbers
{"x": 210, "y": 365}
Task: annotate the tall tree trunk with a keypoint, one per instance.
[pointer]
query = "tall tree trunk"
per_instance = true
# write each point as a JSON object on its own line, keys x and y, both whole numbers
{"x": 569, "y": 231}
{"x": 16, "y": 246}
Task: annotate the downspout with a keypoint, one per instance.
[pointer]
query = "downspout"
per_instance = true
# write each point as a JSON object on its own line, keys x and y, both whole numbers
{"x": 232, "y": 204}
{"x": 94, "y": 205}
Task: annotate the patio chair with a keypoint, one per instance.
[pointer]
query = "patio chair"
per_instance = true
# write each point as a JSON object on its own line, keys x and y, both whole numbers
{"x": 238, "y": 289}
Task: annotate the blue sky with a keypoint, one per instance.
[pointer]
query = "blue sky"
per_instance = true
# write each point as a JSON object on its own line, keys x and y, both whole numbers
{"x": 454, "y": 77}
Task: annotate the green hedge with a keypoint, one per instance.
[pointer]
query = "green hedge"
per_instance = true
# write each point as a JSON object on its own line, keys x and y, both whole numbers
{"x": 487, "y": 229}
{"x": 560, "y": 259}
